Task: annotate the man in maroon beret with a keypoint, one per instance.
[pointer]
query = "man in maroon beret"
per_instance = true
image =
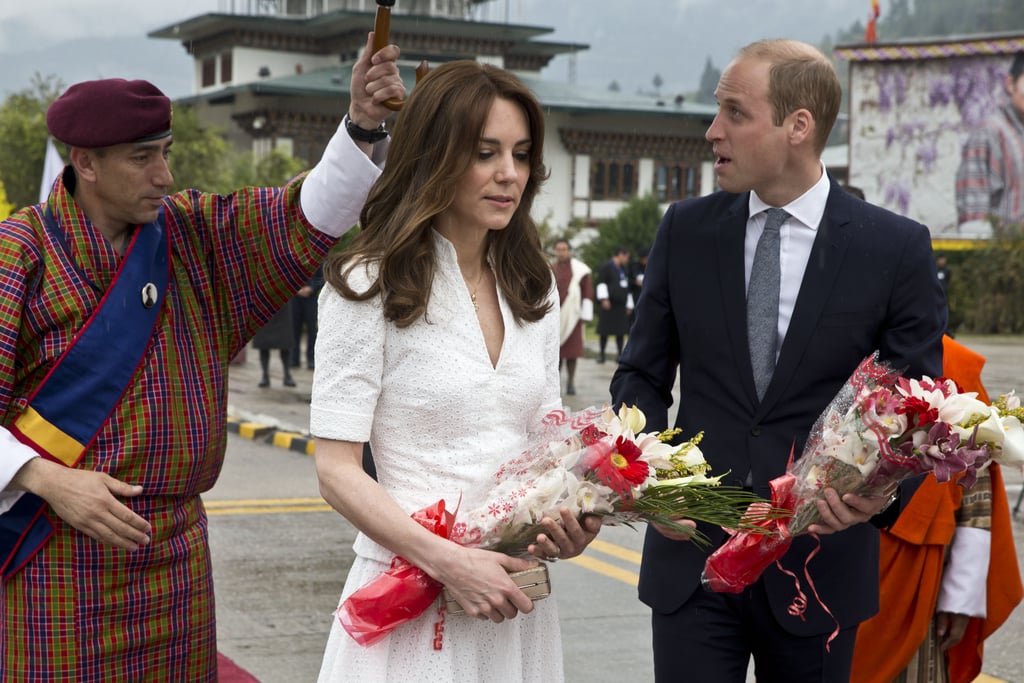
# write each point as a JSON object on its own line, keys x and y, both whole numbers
{"x": 110, "y": 112}
{"x": 120, "y": 309}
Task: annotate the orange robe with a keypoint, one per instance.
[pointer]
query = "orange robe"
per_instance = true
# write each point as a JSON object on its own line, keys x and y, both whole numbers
{"x": 912, "y": 559}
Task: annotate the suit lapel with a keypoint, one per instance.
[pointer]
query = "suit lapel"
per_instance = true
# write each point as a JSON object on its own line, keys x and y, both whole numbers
{"x": 826, "y": 257}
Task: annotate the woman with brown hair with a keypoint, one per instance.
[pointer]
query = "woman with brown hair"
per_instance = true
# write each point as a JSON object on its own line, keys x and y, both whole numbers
{"x": 438, "y": 345}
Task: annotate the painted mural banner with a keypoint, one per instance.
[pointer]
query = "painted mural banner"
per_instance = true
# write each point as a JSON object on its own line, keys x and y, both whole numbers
{"x": 914, "y": 105}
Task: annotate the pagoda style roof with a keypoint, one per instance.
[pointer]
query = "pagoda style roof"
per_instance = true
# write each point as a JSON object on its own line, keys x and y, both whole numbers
{"x": 334, "y": 82}
{"x": 344, "y": 32}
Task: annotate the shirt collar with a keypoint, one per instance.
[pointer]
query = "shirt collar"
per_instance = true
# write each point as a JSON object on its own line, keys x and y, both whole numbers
{"x": 808, "y": 208}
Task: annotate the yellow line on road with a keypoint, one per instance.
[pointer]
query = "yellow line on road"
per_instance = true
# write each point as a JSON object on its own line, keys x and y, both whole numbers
{"x": 615, "y": 551}
{"x": 269, "y": 510}
{"x": 266, "y": 506}
{"x": 606, "y": 569}
{"x": 262, "y": 502}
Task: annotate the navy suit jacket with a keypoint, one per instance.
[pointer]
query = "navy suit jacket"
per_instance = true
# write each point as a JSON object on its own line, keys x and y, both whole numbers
{"x": 870, "y": 284}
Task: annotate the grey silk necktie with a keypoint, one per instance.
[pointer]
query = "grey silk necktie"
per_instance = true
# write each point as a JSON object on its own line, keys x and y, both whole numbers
{"x": 763, "y": 301}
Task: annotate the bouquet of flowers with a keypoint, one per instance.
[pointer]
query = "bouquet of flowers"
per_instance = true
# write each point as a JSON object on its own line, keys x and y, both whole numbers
{"x": 879, "y": 430}
{"x": 594, "y": 462}
{"x": 607, "y": 466}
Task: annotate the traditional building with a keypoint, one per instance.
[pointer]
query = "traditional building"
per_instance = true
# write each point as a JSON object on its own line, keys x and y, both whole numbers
{"x": 275, "y": 74}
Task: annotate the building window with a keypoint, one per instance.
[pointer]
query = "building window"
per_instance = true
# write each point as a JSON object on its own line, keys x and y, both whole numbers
{"x": 209, "y": 72}
{"x": 613, "y": 179}
{"x": 675, "y": 181}
{"x": 225, "y": 67}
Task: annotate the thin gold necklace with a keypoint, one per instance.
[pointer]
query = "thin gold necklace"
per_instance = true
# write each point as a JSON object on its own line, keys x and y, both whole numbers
{"x": 476, "y": 288}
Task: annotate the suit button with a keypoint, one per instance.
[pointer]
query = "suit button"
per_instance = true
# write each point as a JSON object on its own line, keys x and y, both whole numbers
{"x": 755, "y": 431}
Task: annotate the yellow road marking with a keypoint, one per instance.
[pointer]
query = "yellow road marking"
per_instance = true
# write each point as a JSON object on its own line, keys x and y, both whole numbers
{"x": 269, "y": 511}
{"x": 615, "y": 551}
{"x": 264, "y": 502}
{"x": 606, "y": 569}
{"x": 266, "y": 506}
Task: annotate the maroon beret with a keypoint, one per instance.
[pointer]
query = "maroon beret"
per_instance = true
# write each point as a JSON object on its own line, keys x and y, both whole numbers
{"x": 109, "y": 112}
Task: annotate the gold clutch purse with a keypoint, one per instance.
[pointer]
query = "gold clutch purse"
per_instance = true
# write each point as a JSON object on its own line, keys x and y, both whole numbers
{"x": 534, "y": 582}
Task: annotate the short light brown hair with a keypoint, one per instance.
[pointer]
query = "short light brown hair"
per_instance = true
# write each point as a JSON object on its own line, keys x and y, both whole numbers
{"x": 800, "y": 77}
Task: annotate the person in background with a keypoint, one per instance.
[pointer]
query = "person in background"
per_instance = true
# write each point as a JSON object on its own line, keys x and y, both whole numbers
{"x": 990, "y": 179}
{"x": 576, "y": 308}
{"x": 438, "y": 344}
{"x": 636, "y": 273}
{"x": 123, "y": 306}
{"x": 944, "y": 274}
{"x": 949, "y": 574}
{"x": 616, "y": 302}
{"x": 636, "y": 277}
{"x": 276, "y": 335}
{"x": 761, "y": 334}
{"x": 304, "y": 311}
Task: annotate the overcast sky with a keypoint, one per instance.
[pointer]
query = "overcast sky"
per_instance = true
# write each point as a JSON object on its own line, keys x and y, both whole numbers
{"x": 631, "y": 40}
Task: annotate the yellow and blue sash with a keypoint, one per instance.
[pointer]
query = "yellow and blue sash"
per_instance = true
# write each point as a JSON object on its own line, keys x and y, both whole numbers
{"x": 78, "y": 395}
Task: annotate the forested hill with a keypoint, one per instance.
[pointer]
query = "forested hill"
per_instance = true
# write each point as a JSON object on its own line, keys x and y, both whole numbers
{"x": 909, "y": 19}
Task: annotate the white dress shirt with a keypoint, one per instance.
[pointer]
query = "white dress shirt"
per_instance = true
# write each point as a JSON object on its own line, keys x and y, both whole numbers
{"x": 796, "y": 236}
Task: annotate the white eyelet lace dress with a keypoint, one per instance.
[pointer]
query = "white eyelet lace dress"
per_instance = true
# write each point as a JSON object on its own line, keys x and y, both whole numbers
{"x": 440, "y": 420}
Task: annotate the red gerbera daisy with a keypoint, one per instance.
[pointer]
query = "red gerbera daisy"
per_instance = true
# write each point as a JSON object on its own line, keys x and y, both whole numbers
{"x": 622, "y": 468}
{"x": 918, "y": 411}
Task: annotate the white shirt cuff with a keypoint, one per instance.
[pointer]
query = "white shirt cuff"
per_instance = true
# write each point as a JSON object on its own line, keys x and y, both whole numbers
{"x": 15, "y": 455}
{"x": 587, "y": 310}
{"x": 963, "y": 579}
{"x": 335, "y": 190}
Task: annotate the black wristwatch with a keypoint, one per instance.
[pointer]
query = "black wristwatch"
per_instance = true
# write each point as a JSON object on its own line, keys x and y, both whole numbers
{"x": 362, "y": 135}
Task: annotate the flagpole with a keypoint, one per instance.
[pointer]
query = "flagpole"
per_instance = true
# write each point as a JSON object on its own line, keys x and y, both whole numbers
{"x": 53, "y": 165}
{"x": 871, "y": 32}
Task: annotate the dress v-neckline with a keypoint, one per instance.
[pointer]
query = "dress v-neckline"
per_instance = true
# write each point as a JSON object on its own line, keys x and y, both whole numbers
{"x": 493, "y": 362}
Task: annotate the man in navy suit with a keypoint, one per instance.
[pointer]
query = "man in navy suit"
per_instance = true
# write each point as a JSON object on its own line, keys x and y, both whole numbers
{"x": 852, "y": 278}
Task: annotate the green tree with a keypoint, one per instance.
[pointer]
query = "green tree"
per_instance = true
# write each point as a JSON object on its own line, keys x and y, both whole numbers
{"x": 657, "y": 82}
{"x": 906, "y": 19}
{"x": 987, "y": 288}
{"x": 200, "y": 158}
{"x": 633, "y": 227}
{"x": 23, "y": 138}
{"x": 203, "y": 159}
{"x": 708, "y": 83}
{"x": 5, "y": 207}
{"x": 272, "y": 170}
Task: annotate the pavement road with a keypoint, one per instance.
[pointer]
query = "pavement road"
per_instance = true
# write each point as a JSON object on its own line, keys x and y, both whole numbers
{"x": 280, "y": 555}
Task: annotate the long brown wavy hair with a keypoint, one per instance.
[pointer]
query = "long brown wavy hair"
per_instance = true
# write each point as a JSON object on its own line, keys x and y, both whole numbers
{"x": 434, "y": 142}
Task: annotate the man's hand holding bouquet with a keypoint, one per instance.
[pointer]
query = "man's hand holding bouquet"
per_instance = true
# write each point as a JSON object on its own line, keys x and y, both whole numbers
{"x": 879, "y": 430}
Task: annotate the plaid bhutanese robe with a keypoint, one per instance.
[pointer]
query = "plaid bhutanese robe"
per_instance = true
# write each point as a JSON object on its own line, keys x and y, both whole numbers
{"x": 990, "y": 179}
{"x": 80, "y": 610}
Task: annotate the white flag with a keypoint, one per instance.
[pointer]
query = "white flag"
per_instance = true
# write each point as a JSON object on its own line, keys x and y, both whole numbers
{"x": 52, "y": 167}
